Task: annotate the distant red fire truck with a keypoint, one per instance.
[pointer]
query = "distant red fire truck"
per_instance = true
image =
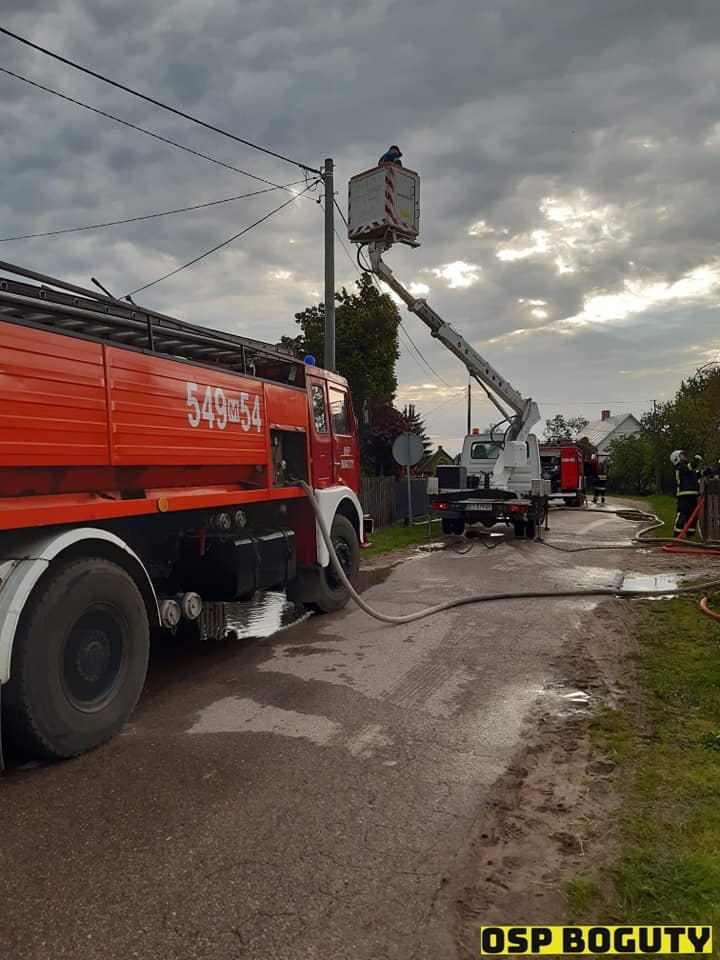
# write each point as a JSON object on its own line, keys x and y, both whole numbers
{"x": 567, "y": 466}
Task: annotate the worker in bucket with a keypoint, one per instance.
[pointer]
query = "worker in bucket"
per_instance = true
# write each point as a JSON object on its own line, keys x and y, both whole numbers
{"x": 392, "y": 155}
{"x": 687, "y": 488}
{"x": 600, "y": 484}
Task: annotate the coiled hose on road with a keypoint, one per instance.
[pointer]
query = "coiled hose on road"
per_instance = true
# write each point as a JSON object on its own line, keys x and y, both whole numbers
{"x": 481, "y": 598}
{"x": 668, "y": 544}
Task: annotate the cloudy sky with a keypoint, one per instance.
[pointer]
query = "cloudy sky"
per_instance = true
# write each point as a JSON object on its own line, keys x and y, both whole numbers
{"x": 568, "y": 152}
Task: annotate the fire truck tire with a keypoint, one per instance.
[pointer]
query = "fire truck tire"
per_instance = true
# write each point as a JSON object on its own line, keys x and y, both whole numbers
{"x": 329, "y": 593}
{"x": 529, "y": 529}
{"x": 452, "y": 526}
{"x": 79, "y": 660}
{"x": 519, "y": 528}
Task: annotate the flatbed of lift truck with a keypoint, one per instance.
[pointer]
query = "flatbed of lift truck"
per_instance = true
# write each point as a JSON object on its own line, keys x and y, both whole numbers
{"x": 460, "y": 508}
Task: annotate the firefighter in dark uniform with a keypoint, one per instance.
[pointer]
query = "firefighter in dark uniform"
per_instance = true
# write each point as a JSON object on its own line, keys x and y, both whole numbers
{"x": 600, "y": 484}
{"x": 391, "y": 155}
{"x": 687, "y": 488}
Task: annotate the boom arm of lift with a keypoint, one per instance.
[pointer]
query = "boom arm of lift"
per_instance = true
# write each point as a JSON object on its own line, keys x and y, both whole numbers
{"x": 525, "y": 413}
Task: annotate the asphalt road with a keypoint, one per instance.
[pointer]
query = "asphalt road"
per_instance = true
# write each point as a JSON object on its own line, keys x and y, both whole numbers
{"x": 305, "y": 795}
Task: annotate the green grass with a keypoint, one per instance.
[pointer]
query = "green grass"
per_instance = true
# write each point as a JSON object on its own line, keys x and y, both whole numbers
{"x": 582, "y": 894}
{"x": 660, "y": 504}
{"x": 666, "y": 739}
{"x": 398, "y": 535}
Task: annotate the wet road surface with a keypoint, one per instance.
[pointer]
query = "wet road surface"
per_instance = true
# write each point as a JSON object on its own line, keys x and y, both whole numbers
{"x": 302, "y": 795}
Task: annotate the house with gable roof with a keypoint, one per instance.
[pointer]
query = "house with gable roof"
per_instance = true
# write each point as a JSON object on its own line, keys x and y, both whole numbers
{"x": 428, "y": 467}
{"x": 601, "y": 433}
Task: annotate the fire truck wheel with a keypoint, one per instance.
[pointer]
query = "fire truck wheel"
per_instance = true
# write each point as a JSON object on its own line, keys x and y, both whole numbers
{"x": 529, "y": 529}
{"x": 79, "y": 660}
{"x": 519, "y": 528}
{"x": 330, "y": 593}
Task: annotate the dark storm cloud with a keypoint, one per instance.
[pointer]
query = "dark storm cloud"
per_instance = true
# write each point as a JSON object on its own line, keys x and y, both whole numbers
{"x": 586, "y": 137}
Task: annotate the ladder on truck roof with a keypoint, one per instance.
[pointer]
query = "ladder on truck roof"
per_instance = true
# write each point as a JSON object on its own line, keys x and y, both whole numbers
{"x": 79, "y": 312}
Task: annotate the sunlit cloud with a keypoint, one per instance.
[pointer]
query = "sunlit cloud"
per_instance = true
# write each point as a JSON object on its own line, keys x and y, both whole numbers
{"x": 458, "y": 273}
{"x": 575, "y": 227}
{"x": 540, "y": 244}
{"x": 702, "y": 283}
{"x": 481, "y": 229}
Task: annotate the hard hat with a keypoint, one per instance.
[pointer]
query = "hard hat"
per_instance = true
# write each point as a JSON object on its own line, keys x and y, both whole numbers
{"x": 675, "y": 457}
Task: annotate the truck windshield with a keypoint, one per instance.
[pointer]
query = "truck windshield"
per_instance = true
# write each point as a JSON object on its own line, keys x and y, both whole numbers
{"x": 484, "y": 450}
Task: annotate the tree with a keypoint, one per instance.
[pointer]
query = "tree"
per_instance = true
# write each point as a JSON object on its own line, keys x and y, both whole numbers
{"x": 366, "y": 340}
{"x": 385, "y": 424}
{"x": 633, "y": 464}
{"x": 366, "y": 349}
{"x": 559, "y": 428}
{"x": 697, "y": 412}
{"x": 691, "y": 422}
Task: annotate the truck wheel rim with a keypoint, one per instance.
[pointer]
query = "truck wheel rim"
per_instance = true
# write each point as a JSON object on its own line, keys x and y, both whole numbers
{"x": 92, "y": 660}
{"x": 344, "y": 555}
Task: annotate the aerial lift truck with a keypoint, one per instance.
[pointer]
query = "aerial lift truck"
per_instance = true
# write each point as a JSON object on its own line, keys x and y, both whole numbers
{"x": 499, "y": 478}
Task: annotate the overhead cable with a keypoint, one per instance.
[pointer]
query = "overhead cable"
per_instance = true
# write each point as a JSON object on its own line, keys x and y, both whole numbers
{"x": 220, "y": 245}
{"x": 147, "y": 216}
{"x": 157, "y": 103}
{"x": 134, "y": 126}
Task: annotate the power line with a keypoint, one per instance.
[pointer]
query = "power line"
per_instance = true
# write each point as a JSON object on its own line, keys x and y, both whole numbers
{"x": 157, "y": 103}
{"x": 147, "y": 216}
{"x": 219, "y": 245}
{"x": 461, "y": 393}
{"x": 422, "y": 356}
{"x": 134, "y": 126}
{"x": 340, "y": 211}
{"x": 337, "y": 235}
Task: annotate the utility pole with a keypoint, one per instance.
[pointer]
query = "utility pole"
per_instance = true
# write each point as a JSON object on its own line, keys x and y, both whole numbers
{"x": 656, "y": 458}
{"x": 469, "y": 407}
{"x": 329, "y": 266}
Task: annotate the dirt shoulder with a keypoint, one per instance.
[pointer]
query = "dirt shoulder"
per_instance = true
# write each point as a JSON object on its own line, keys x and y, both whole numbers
{"x": 551, "y": 825}
{"x": 553, "y": 822}
{"x": 551, "y": 819}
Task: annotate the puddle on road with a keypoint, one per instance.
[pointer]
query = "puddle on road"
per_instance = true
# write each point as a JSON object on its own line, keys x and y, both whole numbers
{"x": 267, "y": 614}
{"x": 654, "y": 583}
{"x": 271, "y": 611}
{"x": 566, "y": 702}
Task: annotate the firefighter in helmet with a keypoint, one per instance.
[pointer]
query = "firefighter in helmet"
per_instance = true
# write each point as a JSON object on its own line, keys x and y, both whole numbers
{"x": 687, "y": 488}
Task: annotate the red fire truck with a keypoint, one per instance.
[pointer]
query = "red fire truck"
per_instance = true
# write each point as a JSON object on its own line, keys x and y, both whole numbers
{"x": 563, "y": 465}
{"x": 149, "y": 473}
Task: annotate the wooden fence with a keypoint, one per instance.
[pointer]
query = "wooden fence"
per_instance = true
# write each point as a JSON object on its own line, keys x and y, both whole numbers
{"x": 377, "y": 496}
{"x": 385, "y": 498}
{"x": 710, "y": 513}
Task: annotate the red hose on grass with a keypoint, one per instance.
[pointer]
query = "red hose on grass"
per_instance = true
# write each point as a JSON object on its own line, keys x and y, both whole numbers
{"x": 691, "y": 549}
{"x": 704, "y": 606}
